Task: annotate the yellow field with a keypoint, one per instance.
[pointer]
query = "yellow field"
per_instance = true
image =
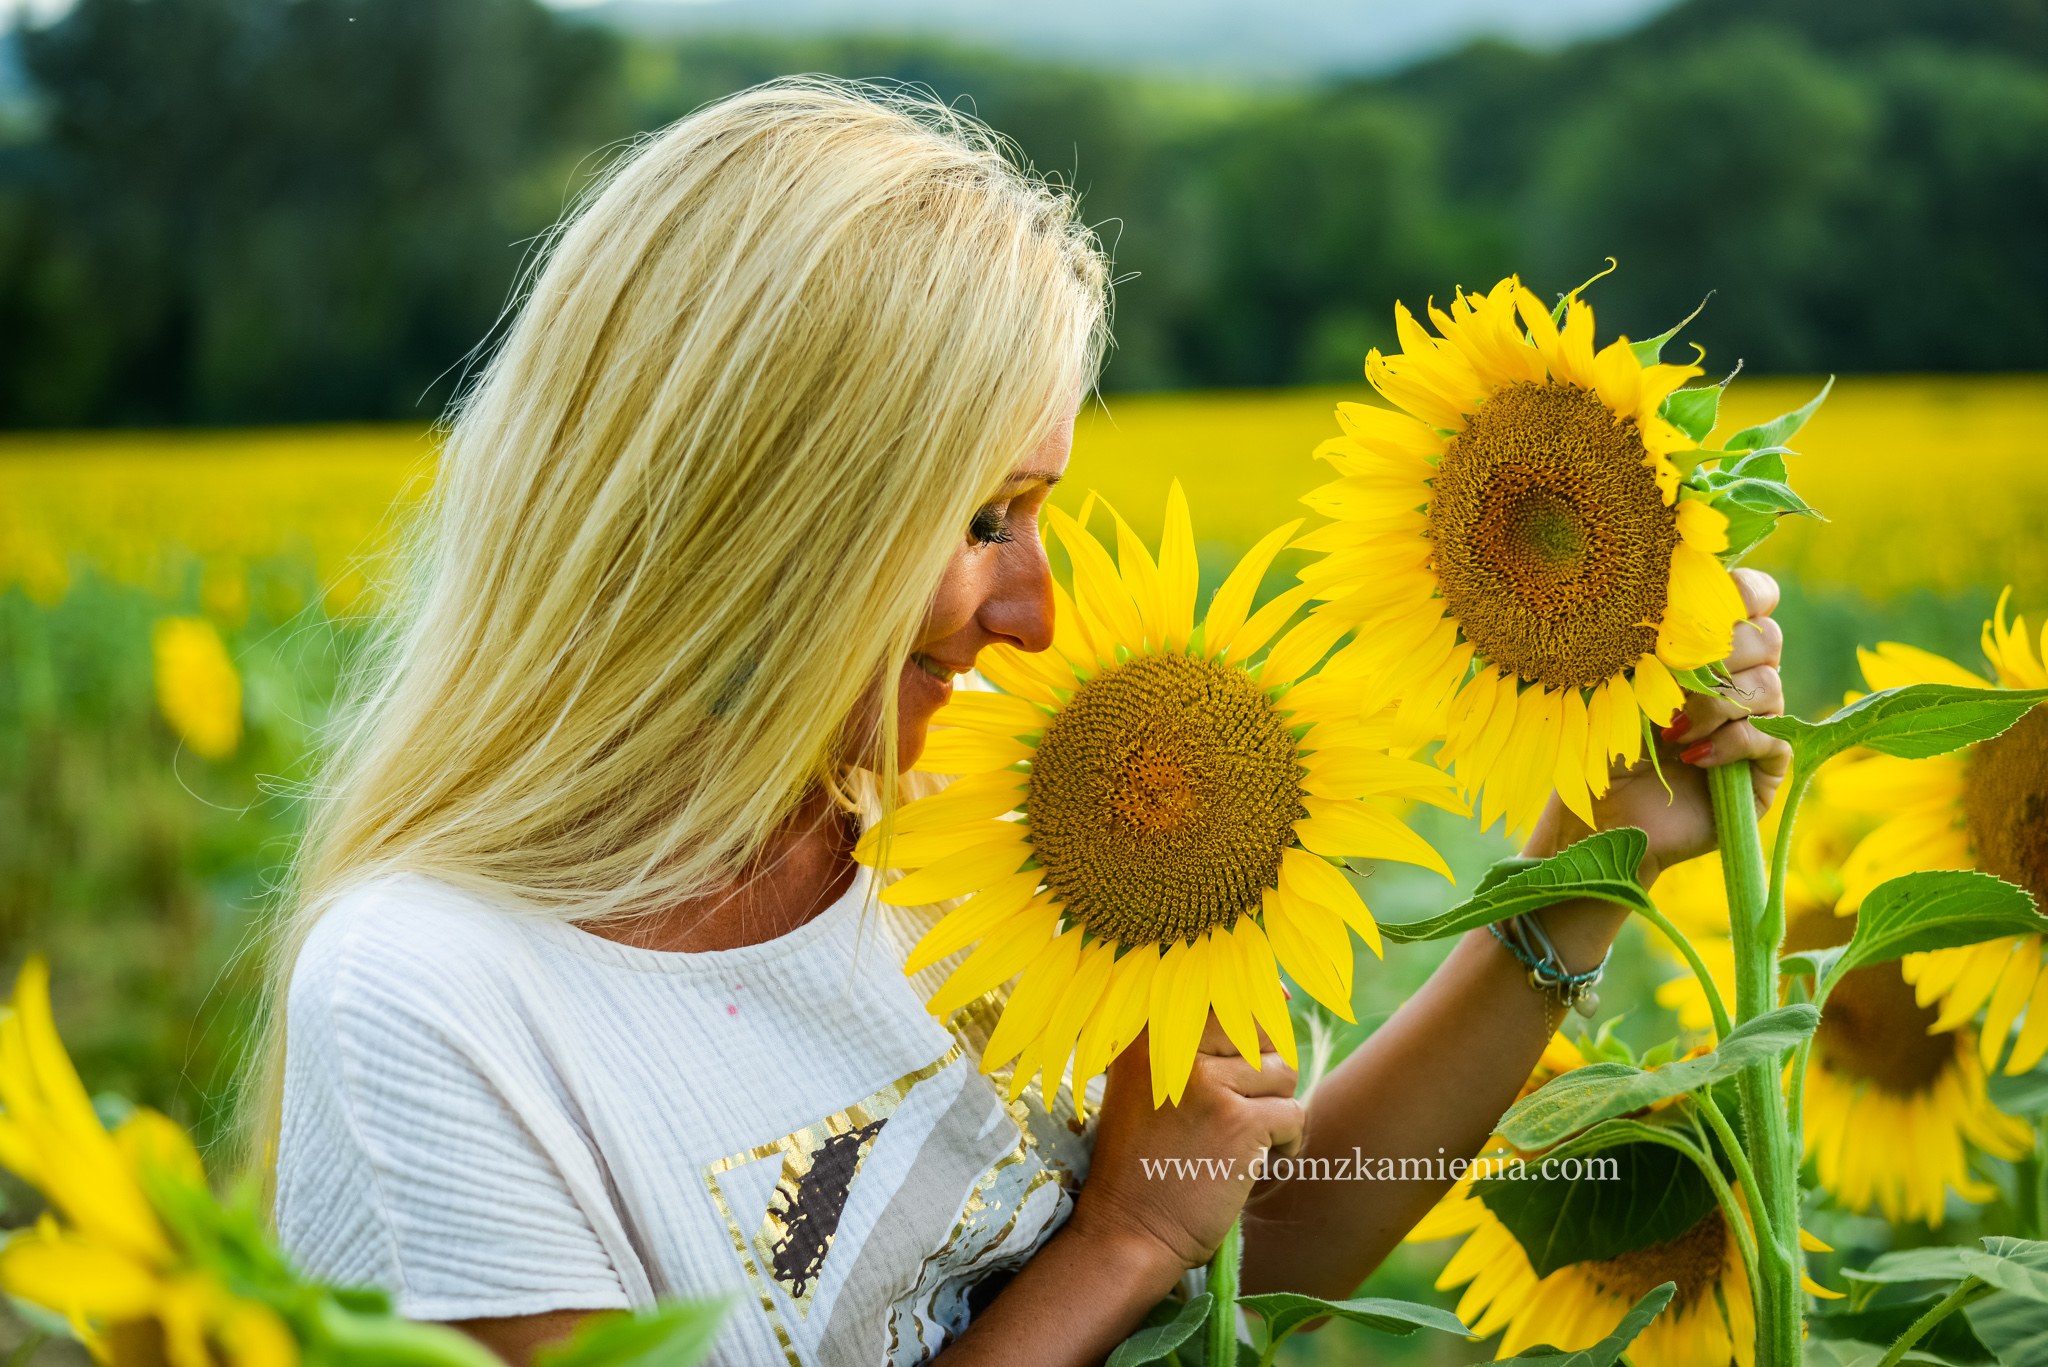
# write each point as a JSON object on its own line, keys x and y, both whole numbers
{"x": 1934, "y": 482}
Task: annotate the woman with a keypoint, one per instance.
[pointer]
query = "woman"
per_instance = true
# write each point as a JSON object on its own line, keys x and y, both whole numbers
{"x": 588, "y": 1003}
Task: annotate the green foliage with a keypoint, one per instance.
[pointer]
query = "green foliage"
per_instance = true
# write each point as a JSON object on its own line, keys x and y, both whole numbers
{"x": 1921, "y": 911}
{"x": 1602, "y": 866}
{"x": 1609, "y": 1350}
{"x": 676, "y": 1335}
{"x": 1286, "y": 1312}
{"x": 1155, "y": 1342}
{"x": 1781, "y": 429}
{"x": 1586, "y": 1096}
{"x": 1914, "y": 722}
{"x": 1657, "y": 1193}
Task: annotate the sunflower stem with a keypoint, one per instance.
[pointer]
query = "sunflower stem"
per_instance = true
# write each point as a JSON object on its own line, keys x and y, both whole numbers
{"x": 1732, "y": 1211}
{"x": 1223, "y": 1270}
{"x": 1967, "y": 1291}
{"x": 1765, "y": 1132}
{"x": 1684, "y": 946}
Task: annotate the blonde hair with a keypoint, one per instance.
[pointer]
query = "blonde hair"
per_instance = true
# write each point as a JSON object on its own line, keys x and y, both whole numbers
{"x": 698, "y": 501}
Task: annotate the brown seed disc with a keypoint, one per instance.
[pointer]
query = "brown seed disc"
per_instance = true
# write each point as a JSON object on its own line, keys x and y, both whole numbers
{"x": 1161, "y": 797}
{"x": 1695, "y": 1260}
{"x": 1553, "y": 544}
{"x": 1874, "y": 1029}
{"x": 2005, "y": 803}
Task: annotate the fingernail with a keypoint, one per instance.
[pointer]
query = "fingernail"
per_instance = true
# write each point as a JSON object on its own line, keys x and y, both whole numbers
{"x": 1693, "y": 754}
{"x": 1289, "y": 996}
{"x": 1674, "y": 731}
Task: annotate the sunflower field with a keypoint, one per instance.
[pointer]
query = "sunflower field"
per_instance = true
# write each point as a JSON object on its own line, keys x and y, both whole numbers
{"x": 177, "y": 612}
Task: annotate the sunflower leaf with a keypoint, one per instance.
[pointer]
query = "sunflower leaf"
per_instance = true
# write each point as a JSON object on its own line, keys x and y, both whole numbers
{"x": 1286, "y": 1311}
{"x": 1607, "y": 1351}
{"x": 674, "y": 1334}
{"x": 1601, "y": 867}
{"x": 2018, "y": 1266}
{"x": 1586, "y": 1096}
{"x": 1632, "y": 1191}
{"x": 1156, "y": 1342}
{"x": 1652, "y": 351}
{"x": 1693, "y": 411}
{"x": 1780, "y": 429}
{"x": 1914, "y": 722}
{"x": 1932, "y": 910}
{"x": 1952, "y": 1339}
{"x": 2013, "y": 1327}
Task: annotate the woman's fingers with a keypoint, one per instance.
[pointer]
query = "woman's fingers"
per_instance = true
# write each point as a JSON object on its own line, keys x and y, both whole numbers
{"x": 1739, "y": 740}
{"x": 1759, "y": 591}
{"x": 1758, "y": 641}
{"x": 1754, "y": 692}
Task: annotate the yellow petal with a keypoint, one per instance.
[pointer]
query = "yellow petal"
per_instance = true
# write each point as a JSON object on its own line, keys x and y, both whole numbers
{"x": 1119, "y": 1017}
{"x": 1341, "y": 828}
{"x": 1098, "y": 588}
{"x": 1141, "y": 581}
{"x": 1309, "y": 942}
{"x": 976, "y": 918}
{"x": 76, "y": 1278}
{"x": 972, "y": 797}
{"x": 995, "y": 714}
{"x": 1002, "y": 956}
{"x": 1656, "y": 692}
{"x": 1895, "y": 665}
{"x": 960, "y": 750}
{"x": 1250, "y": 638}
{"x": 1702, "y": 526}
{"x": 1232, "y": 603}
{"x": 1570, "y": 776}
{"x": 1029, "y": 1010}
{"x": 1308, "y": 879}
{"x": 1180, "y": 1010}
{"x": 1261, "y": 978}
{"x": 1179, "y": 569}
{"x": 959, "y": 874}
{"x": 1299, "y": 651}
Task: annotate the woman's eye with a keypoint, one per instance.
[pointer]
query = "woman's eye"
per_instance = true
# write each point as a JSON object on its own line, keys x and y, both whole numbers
{"x": 989, "y": 526}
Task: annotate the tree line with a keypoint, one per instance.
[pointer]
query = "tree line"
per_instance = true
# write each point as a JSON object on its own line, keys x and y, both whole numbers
{"x": 238, "y": 211}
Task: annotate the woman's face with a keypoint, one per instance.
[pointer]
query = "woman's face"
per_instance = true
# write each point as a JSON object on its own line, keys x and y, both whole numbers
{"x": 997, "y": 590}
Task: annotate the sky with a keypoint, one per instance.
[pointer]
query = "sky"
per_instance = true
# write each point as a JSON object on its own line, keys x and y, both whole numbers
{"x": 1269, "y": 38}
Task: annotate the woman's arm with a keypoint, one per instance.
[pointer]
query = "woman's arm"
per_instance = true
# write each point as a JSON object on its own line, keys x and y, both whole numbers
{"x": 1431, "y": 1083}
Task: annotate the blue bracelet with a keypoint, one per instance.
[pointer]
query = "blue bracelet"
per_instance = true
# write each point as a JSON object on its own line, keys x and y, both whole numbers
{"x": 1547, "y": 973}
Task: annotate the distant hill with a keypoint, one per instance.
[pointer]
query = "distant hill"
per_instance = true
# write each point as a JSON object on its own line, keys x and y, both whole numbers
{"x": 1275, "y": 39}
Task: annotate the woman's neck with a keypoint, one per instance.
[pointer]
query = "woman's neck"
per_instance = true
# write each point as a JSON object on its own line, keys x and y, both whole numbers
{"x": 804, "y": 868}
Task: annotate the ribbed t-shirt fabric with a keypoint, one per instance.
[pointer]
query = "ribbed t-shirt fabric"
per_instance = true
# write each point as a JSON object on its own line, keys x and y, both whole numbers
{"x": 491, "y": 1113}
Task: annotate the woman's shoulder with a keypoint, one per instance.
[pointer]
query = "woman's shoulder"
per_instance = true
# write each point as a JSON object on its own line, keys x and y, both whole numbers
{"x": 406, "y": 947}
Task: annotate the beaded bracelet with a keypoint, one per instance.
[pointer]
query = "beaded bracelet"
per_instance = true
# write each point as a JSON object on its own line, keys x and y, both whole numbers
{"x": 1547, "y": 973}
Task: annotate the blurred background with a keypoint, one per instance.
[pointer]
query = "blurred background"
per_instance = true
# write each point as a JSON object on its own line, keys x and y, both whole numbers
{"x": 250, "y": 248}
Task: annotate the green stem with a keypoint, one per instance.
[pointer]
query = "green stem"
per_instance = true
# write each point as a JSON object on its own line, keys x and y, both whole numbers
{"x": 1699, "y": 968}
{"x": 1964, "y": 1293}
{"x": 1223, "y": 1270}
{"x": 1731, "y": 1210}
{"x": 1775, "y": 1199}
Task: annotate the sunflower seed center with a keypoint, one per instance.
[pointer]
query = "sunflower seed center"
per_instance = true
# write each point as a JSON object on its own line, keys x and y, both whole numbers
{"x": 2005, "y": 803}
{"x": 1874, "y": 1029}
{"x": 1695, "y": 1260}
{"x": 1161, "y": 797}
{"x": 1552, "y": 542}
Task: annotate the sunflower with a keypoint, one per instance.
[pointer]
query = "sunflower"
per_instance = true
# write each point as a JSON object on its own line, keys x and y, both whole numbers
{"x": 1515, "y": 549}
{"x": 1148, "y": 820}
{"x": 1984, "y": 808}
{"x": 101, "y": 1256}
{"x": 1894, "y": 1101}
{"x": 1708, "y": 1323}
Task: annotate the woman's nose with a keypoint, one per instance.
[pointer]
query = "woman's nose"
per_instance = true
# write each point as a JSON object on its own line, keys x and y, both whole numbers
{"x": 1019, "y": 607}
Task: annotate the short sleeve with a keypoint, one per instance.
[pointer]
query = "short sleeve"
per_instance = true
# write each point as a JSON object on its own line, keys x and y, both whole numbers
{"x": 409, "y": 1157}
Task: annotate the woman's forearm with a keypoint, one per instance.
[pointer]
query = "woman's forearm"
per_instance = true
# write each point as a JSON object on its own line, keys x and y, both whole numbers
{"x": 1428, "y": 1085}
{"x": 1081, "y": 1295}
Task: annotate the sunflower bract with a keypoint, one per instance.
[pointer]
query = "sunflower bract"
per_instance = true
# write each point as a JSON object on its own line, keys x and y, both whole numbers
{"x": 1147, "y": 816}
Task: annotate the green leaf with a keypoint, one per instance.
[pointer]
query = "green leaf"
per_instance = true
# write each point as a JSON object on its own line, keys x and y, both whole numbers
{"x": 1607, "y": 1351}
{"x": 1602, "y": 867}
{"x": 344, "y": 1338}
{"x": 1952, "y": 1339}
{"x": 1154, "y": 1342}
{"x": 1652, "y": 351}
{"x": 1586, "y": 1096}
{"x": 1780, "y": 429}
{"x": 1285, "y": 1312}
{"x": 2019, "y": 1266}
{"x": 1748, "y": 528}
{"x": 674, "y": 1334}
{"x": 1654, "y": 1194}
{"x": 1857, "y": 1353}
{"x": 1933, "y": 910}
{"x": 2014, "y": 1327}
{"x": 1914, "y": 722}
{"x": 1693, "y": 411}
{"x": 1941, "y": 1263}
{"x": 2026, "y": 1094}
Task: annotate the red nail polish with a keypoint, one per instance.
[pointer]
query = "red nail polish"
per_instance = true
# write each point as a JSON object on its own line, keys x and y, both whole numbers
{"x": 1693, "y": 754}
{"x": 1676, "y": 718}
{"x": 1674, "y": 731}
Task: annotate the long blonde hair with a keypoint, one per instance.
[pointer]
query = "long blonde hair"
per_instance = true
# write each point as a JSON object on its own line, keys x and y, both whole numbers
{"x": 698, "y": 502}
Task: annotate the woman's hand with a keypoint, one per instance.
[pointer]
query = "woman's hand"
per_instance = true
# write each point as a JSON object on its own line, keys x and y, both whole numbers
{"x": 1230, "y": 1114}
{"x": 1710, "y": 732}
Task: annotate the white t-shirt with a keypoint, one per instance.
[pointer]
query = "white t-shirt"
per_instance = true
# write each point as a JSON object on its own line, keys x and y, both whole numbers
{"x": 489, "y": 1113}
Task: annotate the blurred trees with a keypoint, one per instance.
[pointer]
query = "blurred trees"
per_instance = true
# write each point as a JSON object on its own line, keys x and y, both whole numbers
{"x": 267, "y": 210}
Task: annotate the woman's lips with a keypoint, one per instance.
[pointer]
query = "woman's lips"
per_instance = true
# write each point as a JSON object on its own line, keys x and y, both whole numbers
{"x": 931, "y": 679}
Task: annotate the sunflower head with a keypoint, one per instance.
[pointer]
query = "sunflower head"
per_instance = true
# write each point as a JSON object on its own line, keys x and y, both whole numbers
{"x": 1149, "y": 818}
{"x": 1528, "y": 569}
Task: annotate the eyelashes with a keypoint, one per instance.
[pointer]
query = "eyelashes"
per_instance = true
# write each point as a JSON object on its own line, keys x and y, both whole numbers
{"x": 989, "y": 526}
